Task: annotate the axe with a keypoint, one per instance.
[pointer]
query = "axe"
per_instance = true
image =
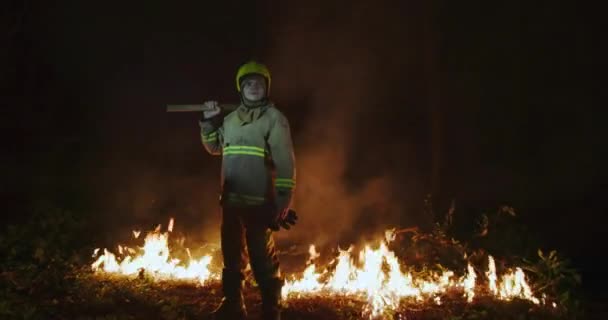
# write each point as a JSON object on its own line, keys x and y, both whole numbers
{"x": 226, "y": 108}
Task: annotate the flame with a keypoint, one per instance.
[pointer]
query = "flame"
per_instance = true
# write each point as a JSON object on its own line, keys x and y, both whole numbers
{"x": 390, "y": 235}
{"x": 469, "y": 283}
{"x": 514, "y": 285}
{"x": 154, "y": 260}
{"x": 170, "y": 228}
{"x": 379, "y": 279}
{"x": 376, "y": 276}
{"x": 491, "y": 274}
{"x": 312, "y": 251}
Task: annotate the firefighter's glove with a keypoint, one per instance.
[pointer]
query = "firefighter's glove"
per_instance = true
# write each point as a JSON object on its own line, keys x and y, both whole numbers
{"x": 290, "y": 220}
{"x": 286, "y": 219}
{"x": 212, "y": 109}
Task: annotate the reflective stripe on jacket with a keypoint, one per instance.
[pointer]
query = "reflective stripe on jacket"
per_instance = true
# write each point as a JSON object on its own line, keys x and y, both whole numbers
{"x": 258, "y": 165}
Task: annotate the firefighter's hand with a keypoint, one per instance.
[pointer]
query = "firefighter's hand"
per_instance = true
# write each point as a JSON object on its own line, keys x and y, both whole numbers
{"x": 286, "y": 219}
{"x": 290, "y": 220}
{"x": 212, "y": 109}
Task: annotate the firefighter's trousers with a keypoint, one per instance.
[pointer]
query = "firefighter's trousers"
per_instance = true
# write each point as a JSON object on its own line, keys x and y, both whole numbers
{"x": 245, "y": 232}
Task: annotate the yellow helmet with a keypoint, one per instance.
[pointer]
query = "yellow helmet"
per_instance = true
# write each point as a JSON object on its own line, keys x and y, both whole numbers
{"x": 252, "y": 67}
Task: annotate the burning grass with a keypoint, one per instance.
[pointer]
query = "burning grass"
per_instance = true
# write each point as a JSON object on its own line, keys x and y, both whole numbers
{"x": 46, "y": 276}
{"x": 377, "y": 281}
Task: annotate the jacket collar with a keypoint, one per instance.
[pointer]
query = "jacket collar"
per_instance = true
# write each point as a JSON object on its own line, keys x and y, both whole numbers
{"x": 249, "y": 114}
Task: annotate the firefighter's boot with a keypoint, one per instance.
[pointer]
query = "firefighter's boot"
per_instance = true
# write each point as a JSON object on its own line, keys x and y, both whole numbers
{"x": 233, "y": 304}
{"x": 271, "y": 298}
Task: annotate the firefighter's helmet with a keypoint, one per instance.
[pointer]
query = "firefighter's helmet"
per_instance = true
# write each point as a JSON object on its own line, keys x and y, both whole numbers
{"x": 249, "y": 68}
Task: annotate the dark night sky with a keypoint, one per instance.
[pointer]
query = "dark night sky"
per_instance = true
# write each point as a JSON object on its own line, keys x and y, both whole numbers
{"x": 487, "y": 104}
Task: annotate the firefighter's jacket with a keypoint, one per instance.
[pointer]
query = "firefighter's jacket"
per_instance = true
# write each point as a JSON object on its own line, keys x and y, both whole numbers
{"x": 258, "y": 165}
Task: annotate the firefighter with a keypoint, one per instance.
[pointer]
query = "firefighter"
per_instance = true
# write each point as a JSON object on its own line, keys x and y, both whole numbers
{"x": 258, "y": 180}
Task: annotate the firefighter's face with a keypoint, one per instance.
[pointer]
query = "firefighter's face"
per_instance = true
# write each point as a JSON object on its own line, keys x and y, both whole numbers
{"x": 254, "y": 88}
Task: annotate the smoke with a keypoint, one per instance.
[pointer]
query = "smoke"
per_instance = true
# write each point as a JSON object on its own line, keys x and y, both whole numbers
{"x": 333, "y": 64}
{"x": 335, "y": 77}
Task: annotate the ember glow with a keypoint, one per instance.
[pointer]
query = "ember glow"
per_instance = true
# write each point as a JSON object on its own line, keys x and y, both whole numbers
{"x": 376, "y": 276}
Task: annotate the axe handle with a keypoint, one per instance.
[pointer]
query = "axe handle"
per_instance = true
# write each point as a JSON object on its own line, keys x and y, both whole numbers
{"x": 198, "y": 107}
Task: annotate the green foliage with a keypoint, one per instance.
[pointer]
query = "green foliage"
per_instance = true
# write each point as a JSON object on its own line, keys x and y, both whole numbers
{"x": 36, "y": 258}
{"x": 503, "y": 234}
{"x": 52, "y": 235}
{"x": 436, "y": 248}
{"x": 500, "y": 234}
{"x": 553, "y": 276}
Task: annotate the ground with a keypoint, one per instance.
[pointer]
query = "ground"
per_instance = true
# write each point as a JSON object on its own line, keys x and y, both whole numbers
{"x": 81, "y": 294}
{"x": 46, "y": 274}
